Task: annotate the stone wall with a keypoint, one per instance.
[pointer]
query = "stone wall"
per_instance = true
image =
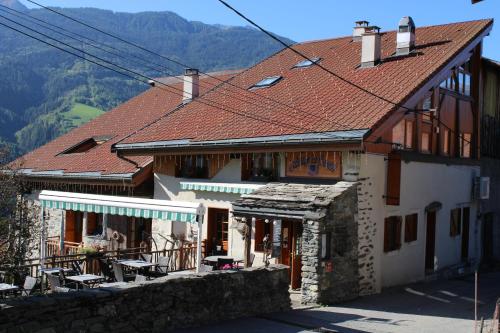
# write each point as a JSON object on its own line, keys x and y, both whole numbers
{"x": 160, "y": 305}
{"x": 335, "y": 278}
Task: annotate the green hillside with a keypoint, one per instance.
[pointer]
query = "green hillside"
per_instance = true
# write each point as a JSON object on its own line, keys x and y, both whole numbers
{"x": 45, "y": 92}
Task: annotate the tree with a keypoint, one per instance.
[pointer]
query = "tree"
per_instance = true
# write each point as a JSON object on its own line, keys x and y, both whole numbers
{"x": 19, "y": 223}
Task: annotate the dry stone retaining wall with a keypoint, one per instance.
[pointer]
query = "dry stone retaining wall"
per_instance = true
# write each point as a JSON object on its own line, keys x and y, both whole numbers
{"x": 161, "y": 305}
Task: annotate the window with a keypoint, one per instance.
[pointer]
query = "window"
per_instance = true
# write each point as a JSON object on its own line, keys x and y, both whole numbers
{"x": 192, "y": 166}
{"x": 460, "y": 80}
{"x": 455, "y": 222}
{"x": 267, "y": 82}
{"x": 426, "y": 142}
{"x": 261, "y": 230}
{"x": 411, "y": 225}
{"x": 307, "y": 63}
{"x": 260, "y": 167}
{"x": 94, "y": 224}
{"x": 392, "y": 233}
{"x": 86, "y": 145}
{"x": 402, "y": 134}
{"x": 465, "y": 142}
{"x": 446, "y": 141}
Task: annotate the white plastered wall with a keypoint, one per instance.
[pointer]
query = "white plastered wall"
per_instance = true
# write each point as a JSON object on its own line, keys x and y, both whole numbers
{"x": 421, "y": 184}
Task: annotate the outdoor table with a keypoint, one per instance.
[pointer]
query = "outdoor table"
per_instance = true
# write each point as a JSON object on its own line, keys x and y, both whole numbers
{"x": 137, "y": 264}
{"x": 215, "y": 259}
{"x": 7, "y": 288}
{"x": 85, "y": 278}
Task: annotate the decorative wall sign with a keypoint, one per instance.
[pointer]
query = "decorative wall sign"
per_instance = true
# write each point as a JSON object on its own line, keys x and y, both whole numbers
{"x": 314, "y": 165}
{"x": 276, "y": 252}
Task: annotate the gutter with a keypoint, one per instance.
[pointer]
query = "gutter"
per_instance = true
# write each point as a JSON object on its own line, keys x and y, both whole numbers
{"x": 353, "y": 136}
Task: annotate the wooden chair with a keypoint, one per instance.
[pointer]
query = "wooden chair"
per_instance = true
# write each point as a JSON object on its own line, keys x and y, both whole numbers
{"x": 77, "y": 267}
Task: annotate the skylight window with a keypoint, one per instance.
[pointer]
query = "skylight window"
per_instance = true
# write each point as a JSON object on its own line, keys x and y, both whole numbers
{"x": 267, "y": 82}
{"x": 307, "y": 63}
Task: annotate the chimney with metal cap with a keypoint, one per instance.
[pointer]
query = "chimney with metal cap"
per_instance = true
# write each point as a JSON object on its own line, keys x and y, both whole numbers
{"x": 370, "y": 47}
{"x": 359, "y": 30}
{"x": 406, "y": 36}
{"x": 191, "y": 84}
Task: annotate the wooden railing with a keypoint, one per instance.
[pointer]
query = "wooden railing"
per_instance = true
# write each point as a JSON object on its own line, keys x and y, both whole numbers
{"x": 53, "y": 247}
{"x": 182, "y": 258}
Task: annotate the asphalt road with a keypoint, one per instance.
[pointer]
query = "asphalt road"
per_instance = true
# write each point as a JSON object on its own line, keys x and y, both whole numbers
{"x": 433, "y": 307}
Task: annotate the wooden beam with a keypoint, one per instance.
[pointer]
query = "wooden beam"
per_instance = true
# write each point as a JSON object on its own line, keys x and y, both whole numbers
{"x": 248, "y": 241}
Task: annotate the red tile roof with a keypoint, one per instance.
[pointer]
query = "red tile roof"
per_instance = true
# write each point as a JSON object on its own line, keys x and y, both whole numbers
{"x": 117, "y": 123}
{"x": 320, "y": 102}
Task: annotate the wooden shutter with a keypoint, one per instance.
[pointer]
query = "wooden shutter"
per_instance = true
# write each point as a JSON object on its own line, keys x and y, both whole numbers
{"x": 393, "y": 179}
{"x": 246, "y": 166}
{"x": 91, "y": 223}
{"x": 399, "y": 222}
{"x": 411, "y": 226}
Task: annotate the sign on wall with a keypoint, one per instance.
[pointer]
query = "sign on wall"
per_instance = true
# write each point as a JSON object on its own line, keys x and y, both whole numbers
{"x": 314, "y": 165}
{"x": 276, "y": 249}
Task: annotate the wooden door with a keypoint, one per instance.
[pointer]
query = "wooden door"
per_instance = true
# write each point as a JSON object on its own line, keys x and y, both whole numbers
{"x": 465, "y": 233}
{"x": 217, "y": 231}
{"x": 291, "y": 251}
{"x": 430, "y": 241}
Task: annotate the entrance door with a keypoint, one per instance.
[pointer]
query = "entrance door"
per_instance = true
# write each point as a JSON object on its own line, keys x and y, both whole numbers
{"x": 465, "y": 233}
{"x": 217, "y": 231}
{"x": 430, "y": 242}
{"x": 291, "y": 251}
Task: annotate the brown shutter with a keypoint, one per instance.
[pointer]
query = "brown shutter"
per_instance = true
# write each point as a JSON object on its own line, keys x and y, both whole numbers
{"x": 399, "y": 221}
{"x": 246, "y": 166}
{"x": 91, "y": 223}
{"x": 393, "y": 179}
{"x": 386, "y": 235}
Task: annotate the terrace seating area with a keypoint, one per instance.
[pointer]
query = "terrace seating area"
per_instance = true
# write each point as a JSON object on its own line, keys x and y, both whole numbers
{"x": 105, "y": 269}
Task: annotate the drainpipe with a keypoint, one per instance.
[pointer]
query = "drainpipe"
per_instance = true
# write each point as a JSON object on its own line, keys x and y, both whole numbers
{"x": 200, "y": 216}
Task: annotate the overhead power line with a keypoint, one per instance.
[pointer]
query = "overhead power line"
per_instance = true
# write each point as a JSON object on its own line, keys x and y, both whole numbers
{"x": 316, "y": 63}
{"x": 228, "y": 82}
{"x": 145, "y": 79}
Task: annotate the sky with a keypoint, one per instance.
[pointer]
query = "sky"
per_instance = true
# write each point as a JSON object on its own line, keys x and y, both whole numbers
{"x": 312, "y": 19}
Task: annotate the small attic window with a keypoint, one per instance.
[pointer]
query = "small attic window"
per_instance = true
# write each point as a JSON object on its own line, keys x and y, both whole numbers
{"x": 267, "y": 82}
{"x": 307, "y": 63}
{"x": 86, "y": 145}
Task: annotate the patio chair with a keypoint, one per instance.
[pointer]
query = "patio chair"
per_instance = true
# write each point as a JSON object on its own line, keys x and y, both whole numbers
{"x": 54, "y": 281}
{"x": 222, "y": 262}
{"x": 29, "y": 285}
{"x": 140, "y": 278}
{"x": 161, "y": 269}
{"x": 146, "y": 257}
{"x": 106, "y": 270}
{"x": 77, "y": 267}
{"x": 119, "y": 275}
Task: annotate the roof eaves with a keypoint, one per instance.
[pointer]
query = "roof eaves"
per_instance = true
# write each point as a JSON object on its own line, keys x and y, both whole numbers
{"x": 324, "y": 137}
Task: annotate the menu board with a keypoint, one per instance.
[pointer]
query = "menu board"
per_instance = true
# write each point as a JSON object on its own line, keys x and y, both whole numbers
{"x": 276, "y": 249}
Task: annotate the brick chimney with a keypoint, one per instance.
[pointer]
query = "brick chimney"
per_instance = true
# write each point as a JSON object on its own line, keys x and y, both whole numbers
{"x": 191, "y": 84}
{"x": 370, "y": 47}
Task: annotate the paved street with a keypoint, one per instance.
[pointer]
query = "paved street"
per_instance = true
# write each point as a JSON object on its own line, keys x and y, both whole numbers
{"x": 441, "y": 306}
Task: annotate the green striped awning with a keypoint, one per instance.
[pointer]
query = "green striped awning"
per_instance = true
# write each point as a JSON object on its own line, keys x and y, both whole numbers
{"x": 220, "y": 187}
{"x": 133, "y": 207}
